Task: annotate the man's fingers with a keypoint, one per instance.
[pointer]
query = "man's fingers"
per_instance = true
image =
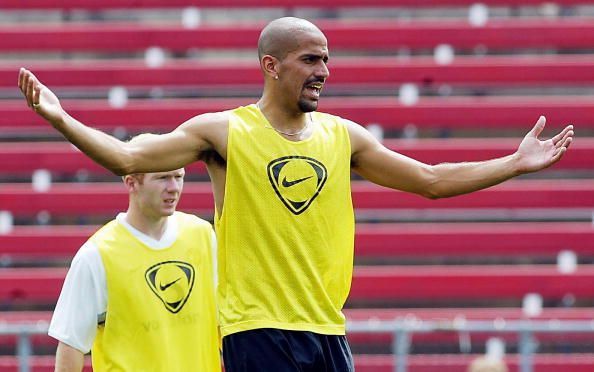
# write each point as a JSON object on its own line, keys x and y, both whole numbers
{"x": 36, "y": 94}
{"x": 566, "y": 142}
{"x": 21, "y": 78}
{"x": 558, "y": 154}
{"x": 539, "y": 126}
{"x": 567, "y": 138}
{"x": 568, "y": 130}
{"x": 30, "y": 91}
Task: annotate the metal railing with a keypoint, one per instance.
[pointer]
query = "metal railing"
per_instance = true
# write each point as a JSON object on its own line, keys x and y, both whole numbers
{"x": 24, "y": 331}
{"x": 401, "y": 329}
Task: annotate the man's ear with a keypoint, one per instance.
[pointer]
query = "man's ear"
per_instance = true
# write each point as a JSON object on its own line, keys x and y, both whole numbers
{"x": 270, "y": 66}
{"x": 131, "y": 182}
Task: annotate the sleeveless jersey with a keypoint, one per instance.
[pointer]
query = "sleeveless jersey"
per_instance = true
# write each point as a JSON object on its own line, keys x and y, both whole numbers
{"x": 160, "y": 314}
{"x": 286, "y": 230}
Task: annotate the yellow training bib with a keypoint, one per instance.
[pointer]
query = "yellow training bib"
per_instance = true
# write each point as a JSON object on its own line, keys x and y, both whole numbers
{"x": 287, "y": 227}
{"x": 161, "y": 314}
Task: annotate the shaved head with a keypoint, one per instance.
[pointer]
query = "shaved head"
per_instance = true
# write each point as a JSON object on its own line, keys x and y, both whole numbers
{"x": 280, "y": 36}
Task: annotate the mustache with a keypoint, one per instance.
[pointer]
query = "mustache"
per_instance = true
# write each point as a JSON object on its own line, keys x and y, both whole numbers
{"x": 315, "y": 80}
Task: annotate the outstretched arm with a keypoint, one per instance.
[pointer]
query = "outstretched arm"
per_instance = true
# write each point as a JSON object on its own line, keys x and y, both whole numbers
{"x": 387, "y": 168}
{"x": 149, "y": 154}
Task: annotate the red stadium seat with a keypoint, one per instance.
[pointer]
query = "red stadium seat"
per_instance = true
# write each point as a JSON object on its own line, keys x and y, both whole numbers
{"x": 140, "y": 4}
{"x": 455, "y": 113}
{"x": 384, "y": 363}
{"x": 31, "y": 285}
{"x": 37, "y": 364}
{"x": 456, "y": 283}
{"x": 458, "y": 363}
{"x": 438, "y": 314}
{"x": 382, "y": 341}
{"x": 356, "y": 339}
{"x": 393, "y": 283}
{"x": 541, "y": 239}
{"x": 22, "y": 158}
{"x": 508, "y": 71}
{"x": 425, "y": 240}
{"x": 109, "y": 198}
{"x": 369, "y": 35}
{"x": 434, "y": 151}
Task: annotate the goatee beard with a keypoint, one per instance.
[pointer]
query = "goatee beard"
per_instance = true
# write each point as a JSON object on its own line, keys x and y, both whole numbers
{"x": 307, "y": 106}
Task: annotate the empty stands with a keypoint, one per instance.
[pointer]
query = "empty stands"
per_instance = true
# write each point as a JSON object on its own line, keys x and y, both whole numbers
{"x": 365, "y": 72}
{"x": 143, "y": 4}
{"x": 374, "y": 35}
{"x": 384, "y": 363}
{"x": 457, "y": 363}
{"x": 478, "y": 113}
{"x": 468, "y": 239}
{"x": 457, "y": 283}
{"x": 23, "y": 158}
{"x": 108, "y": 198}
{"x": 474, "y": 239}
{"x": 393, "y": 284}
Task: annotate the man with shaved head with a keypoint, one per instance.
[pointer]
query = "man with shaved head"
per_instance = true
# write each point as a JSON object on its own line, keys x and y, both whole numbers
{"x": 283, "y": 212}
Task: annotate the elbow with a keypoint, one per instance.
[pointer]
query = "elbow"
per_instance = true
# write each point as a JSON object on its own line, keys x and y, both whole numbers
{"x": 120, "y": 171}
{"x": 432, "y": 193}
{"x": 123, "y": 169}
{"x": 431, "y": 184}
{"x": 119, "y": 168}
{"x": 123, "y": 164}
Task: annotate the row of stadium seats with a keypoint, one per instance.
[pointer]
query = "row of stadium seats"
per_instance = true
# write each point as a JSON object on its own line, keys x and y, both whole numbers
{"x": 357, "y": 73}
{"x": 372, "y": 35}
{"x": 377, "y": 284}
{"x": 64, "y": 160}
{"x": 141, "y": 4}
{"x": 107, "y": 198}
{"x": 430, "y": 112}
{"x": 385, "y": 363}
{"x": 372, "y": 240}
{"x": 370, "y": 342}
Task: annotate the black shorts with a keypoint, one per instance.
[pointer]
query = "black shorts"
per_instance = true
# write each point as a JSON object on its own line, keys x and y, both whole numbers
{"x": 277, "y": 350}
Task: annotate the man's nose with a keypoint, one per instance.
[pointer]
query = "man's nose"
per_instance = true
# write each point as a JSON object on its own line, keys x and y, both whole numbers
{"x": 323, "y": 71}
{"x": 172, "y": 185}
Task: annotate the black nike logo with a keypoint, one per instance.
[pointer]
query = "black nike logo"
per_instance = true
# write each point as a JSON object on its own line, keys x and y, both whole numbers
{"x": 164, "y": 287}
{"x": 286, "y": 183}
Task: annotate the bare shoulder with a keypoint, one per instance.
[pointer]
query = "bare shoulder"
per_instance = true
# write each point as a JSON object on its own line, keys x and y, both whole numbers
{"x": 360, "y": 137}
{"x": 211, "y": 128}
{"x": 212, "y": 121}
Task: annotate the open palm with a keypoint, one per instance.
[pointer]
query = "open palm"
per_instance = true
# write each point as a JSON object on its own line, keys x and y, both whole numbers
{"x": 39, "y": 97}
{"x": 534, "y": 154}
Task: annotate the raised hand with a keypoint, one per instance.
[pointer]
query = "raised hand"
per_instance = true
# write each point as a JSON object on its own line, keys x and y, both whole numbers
{"x": 39, "y": 97}
{"x": 534, "y": 154}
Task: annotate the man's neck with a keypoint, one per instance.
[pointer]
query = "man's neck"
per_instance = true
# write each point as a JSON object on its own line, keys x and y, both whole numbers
{"x": 154, "y": 228}
{"x": 283, "y": 120}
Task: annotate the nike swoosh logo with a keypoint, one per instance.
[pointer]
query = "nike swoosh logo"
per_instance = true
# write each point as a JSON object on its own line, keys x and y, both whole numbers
{"x": 164, "y": 287}
{"x": 286, "y": 183}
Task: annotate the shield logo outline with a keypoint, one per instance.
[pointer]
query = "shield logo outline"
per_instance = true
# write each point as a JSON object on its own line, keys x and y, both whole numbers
{"x": 273, "y": 171}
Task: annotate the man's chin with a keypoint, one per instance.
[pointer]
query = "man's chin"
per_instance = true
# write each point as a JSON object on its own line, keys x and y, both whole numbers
{"x": 308, "y": 106}
{"x": 166, "y": 212}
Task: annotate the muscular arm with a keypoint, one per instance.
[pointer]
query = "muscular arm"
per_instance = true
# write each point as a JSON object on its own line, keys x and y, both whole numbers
{"x": 387, "y": 168}
{"x": 149, "y": 154}
{"x": 68, "y": 359}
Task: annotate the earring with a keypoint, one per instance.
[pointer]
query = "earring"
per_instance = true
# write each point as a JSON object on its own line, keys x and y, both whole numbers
{"x": 276, "y": 77}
